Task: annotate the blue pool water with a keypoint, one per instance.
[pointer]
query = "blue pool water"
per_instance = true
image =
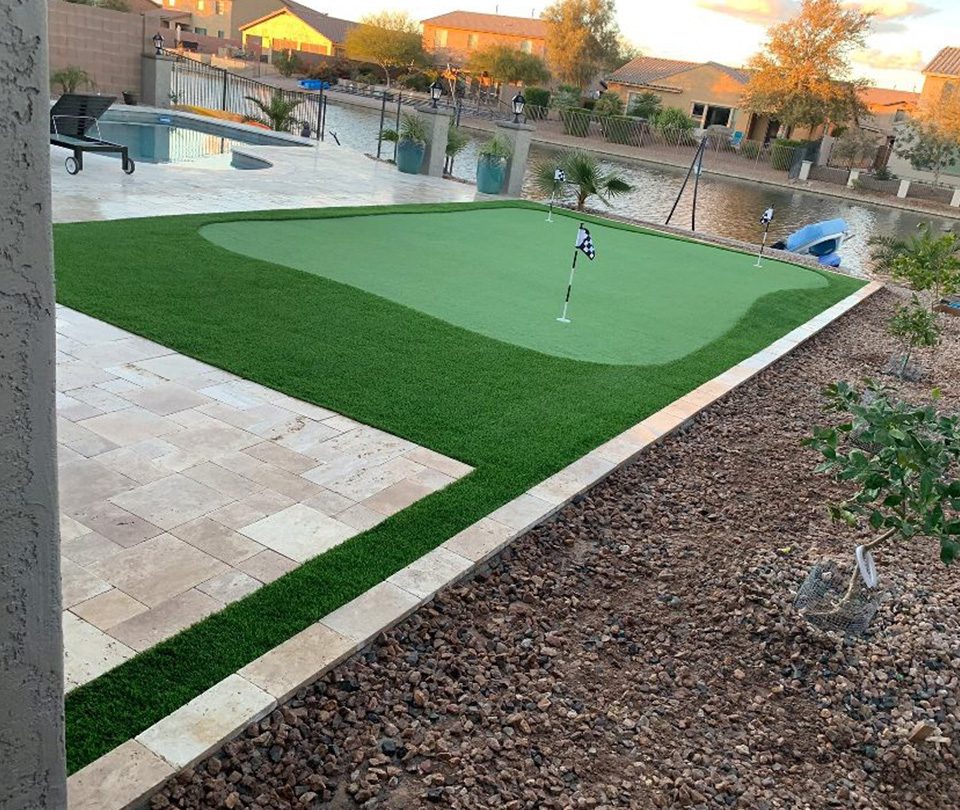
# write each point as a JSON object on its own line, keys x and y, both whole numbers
{"x": 175, "y": 143}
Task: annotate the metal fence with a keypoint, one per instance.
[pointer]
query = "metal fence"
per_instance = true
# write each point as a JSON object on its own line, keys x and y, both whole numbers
{"x": 474, "y": 106}
{"x": 199, "y": 85}
{"x": 645, "y": 135}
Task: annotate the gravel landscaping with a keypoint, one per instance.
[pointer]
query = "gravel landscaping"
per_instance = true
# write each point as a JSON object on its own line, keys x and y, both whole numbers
{"x": 641, "y": 649}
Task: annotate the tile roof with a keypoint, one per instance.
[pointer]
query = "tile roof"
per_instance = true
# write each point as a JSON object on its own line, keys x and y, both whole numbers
{"x": 650, "y": 70}
{"x": 945, "y": 63}
{"x": 491, "y": 24}
{"x": 885, "y": 97}
{"x": 332, "y": 28}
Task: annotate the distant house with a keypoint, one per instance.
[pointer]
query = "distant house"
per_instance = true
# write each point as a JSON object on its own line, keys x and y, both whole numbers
{"x": 708, "y": 92}
{"x": 453, "y": 37}
{"x": 941, "y": 76}
{"x": 205, "y": 18}
{"x": 294, "y": 27}
{"x": 887, "y": 108}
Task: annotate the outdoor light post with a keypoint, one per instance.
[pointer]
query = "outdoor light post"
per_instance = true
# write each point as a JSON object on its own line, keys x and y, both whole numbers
{"x": 436, "y": 91}
{"x": 518, "y": 102}
{"x": 158, "y": 43}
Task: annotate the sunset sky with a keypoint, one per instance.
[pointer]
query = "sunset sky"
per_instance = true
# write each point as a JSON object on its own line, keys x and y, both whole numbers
{"x": 906, "y": 35}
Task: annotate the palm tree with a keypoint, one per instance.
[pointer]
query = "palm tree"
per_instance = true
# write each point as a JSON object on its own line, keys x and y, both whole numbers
{"x": 277, "y": 114}
{"x": 70, "y": 78}
{"x": 584, "y": 174}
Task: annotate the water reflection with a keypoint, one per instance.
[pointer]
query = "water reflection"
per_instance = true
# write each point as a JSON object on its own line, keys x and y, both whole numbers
{"x": 725, "y": 206}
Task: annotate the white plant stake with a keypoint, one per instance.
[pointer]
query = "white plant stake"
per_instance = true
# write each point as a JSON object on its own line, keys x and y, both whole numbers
{"x": 868, "y": 569}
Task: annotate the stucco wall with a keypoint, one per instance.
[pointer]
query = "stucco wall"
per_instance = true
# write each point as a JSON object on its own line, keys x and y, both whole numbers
{"x": 457, "y": 45}
{"x": 31, "y": 642}
{"x": 106, "y": 44}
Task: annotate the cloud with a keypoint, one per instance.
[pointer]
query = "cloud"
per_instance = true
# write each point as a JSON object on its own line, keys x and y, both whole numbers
{"x": 889, "y": 15}
{"x": 883, "y": 60}
{"x": 761, "y": 12}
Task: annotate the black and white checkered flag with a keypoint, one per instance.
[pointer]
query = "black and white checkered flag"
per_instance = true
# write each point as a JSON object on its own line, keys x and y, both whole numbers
{"x": 767, "y": 217}
{"x": 559, "y": 175}
{"x": 585, "y": 243}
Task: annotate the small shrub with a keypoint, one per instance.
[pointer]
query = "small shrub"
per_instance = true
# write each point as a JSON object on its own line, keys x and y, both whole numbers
{"x": 567, "y": 96}
{"x": 781, "y": 157}
{"x": 883, "y": 173}
{"x": 413, "y": 128}
{"x": 916, "y": 327}
{"x": 496, "y": 148}
{"x": 419, "y": 82}
{"x": 71, "y": 78}
{"x": 670, "y": 118}
{"x": 609, "y": 104}
{"x": 645, "y": 105}
{"x": 538, "y": 100}
{"x": 287, "y": 63}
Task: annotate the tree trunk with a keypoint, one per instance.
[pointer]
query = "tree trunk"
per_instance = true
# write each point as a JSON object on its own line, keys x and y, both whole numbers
{"x": 31, "y": 640}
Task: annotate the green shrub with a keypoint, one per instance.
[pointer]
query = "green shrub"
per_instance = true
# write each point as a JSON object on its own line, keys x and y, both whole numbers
{"x": 609, "y": 104}
{"x": 415, "y": 81}
{"x": 538, "y": 100}
{"x": 670, "y": 118}
{"x": 645, "y": 105}
{"x": 567, "y": 96}
{"x": 287, "y": 63}
{"x": 781, "y": 157}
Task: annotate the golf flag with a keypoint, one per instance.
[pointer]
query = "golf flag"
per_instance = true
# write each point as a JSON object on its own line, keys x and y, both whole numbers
{"x": 767, "y": 217}
{"x": 585, "y": 243}
{"x": 559, "y": 175}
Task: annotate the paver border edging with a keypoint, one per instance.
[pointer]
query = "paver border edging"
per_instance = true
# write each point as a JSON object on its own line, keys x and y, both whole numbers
{"x": 127, "y": 776}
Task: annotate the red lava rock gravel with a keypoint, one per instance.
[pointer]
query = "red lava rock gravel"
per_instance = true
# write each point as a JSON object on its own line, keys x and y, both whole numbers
{"x": 641, "y": 650}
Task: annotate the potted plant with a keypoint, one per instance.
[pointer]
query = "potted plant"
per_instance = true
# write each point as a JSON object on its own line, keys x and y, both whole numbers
{"x": 411, "y": 143}
{"x": 492, "y": 165}
{"x": 130, "y": 98}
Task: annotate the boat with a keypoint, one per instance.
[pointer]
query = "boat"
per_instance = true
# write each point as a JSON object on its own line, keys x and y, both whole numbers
{"x": 821, "y": 239}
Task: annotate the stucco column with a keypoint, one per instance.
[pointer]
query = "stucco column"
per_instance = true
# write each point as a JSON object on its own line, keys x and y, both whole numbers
{"x": 955, "y": 199}
{"x": 519, "y": 136}
{"x": 157, "y": 80}
{"x": 904, "y": 189}
{"x": 32, "y": 776}
{"x": 805, "y": 168}
{"x": 438, "y": 126}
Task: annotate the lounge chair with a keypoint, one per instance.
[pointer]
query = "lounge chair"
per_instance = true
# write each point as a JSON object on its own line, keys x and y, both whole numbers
{"x": 74, "y": 125}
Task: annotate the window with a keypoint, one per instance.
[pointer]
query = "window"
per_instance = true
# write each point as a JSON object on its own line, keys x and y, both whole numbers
{"x": 171, "y": 3}
{"x": 698, "y": 110}
{"x": 218, "y": 7}
{"x": 201, "y": 4}
{"x": 526, "y": 46}
{"x": 440, "y": 38}
{"x": 220, "y": 34}
{"x": 201, "y": 31}
{"x": 472, "y": 40}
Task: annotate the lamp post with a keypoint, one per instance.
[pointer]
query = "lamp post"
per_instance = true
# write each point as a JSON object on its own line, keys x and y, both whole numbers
{"x": 436, "y": 90}
{"x": 518, "y": 103}
{"x": 158, "y": 43}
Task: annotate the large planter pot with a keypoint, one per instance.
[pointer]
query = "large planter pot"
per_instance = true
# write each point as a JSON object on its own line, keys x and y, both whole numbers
{"x": 490, "y": 174}
{"x": 410, "y": 156}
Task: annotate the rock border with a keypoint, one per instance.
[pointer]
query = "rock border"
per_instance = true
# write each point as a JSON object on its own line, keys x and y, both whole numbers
{"x": 127, "y": 776}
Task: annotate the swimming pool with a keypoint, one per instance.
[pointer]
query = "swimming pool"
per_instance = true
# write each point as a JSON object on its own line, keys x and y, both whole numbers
{"x": 178, "y": 139}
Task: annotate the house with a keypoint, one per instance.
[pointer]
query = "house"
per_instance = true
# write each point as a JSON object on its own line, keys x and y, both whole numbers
{"x": 941, "y": 76}
{"x": 294, "y": 27}
{"x": 205, "y": 18}
{"x": 708, "y": 92}
{"x": 453, "y": 37}
{"x": 887, "y": 108}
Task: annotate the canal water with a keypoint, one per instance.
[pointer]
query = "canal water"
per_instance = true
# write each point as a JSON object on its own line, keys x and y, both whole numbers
{"x": 725, "y": 206}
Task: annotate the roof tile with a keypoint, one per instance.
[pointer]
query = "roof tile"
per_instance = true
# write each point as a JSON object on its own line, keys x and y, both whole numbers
{"x": 945, "y": 63}
{"x": 491, "y": 24}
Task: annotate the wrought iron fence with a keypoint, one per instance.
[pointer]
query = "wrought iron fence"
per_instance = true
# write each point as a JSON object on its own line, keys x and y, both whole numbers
{"x": 646, "y": 135}
{"x": 197, "y": 84}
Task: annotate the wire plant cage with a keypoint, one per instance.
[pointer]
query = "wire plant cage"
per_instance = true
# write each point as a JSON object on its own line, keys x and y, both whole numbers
{"x": 838, "y": 601}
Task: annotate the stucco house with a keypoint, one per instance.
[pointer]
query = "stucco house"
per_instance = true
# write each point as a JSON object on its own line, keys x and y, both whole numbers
{"x": 206, "y": 18}
{"x": 454, "y": 36}
{"x": 295, "y": 27}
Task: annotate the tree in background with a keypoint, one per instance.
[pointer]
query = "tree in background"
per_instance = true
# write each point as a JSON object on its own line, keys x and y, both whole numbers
{"x": 931, "y": 139}
{"x": 645, "y": 105}
{"x": 803, "y": 77}
{"x": 509, "y": 66}
{"x": 854, "y": 146}
{"x": 389, "y": 39}
{"x": 582, "y": 39}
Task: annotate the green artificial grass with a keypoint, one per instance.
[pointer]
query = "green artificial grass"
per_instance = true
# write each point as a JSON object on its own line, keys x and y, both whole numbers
{"x": 503, "y": 272}
{"x": 514, "y": 414}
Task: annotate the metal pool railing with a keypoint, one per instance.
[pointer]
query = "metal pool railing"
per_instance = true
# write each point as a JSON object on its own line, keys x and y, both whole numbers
{"x": 197, "y": 84}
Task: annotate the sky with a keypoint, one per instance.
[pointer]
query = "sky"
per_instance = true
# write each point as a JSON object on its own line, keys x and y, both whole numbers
{"x": 906, "y": 33}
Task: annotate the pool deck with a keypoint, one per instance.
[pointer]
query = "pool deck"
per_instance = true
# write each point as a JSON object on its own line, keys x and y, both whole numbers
{"x": 316, "y": 176}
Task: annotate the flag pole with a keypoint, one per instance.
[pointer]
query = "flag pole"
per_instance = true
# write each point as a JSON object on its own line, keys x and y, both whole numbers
{"x": 566, "y": 301}
{"x": 765, "y": 220}
{"x": 550, "y": 212}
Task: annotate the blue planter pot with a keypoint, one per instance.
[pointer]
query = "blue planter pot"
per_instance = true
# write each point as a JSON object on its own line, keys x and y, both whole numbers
{"x": 490, "y": 174}
{"x": 410, "y": 156}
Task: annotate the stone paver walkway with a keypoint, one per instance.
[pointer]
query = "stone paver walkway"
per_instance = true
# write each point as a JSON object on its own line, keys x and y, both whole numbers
{"x": 184, "y": 488}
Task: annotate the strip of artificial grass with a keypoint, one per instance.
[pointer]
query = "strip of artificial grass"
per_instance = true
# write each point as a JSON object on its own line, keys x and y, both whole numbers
{"x": 515, "y": 415}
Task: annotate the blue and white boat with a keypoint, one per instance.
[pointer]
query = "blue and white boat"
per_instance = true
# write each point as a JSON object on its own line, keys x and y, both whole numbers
{"x": 821, "y": 239}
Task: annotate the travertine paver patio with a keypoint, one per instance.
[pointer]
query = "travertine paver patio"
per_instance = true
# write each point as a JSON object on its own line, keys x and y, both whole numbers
{"x": 184, "y": 488}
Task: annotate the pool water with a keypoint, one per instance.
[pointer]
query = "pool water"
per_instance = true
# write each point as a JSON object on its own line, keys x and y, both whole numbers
{"x": 167, "y": 143}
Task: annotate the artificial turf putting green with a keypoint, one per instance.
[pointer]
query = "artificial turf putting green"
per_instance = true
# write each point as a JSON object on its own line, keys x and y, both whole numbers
{"x": 503, "y": 273}
{"x": 516, "y": 415}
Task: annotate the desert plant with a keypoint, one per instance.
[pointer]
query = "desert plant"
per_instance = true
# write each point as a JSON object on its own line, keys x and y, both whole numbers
{"x": 457, "y": 141}
{"x": 645, "y": 105}
{"x": 883, "y": 173}
{"x": 413, "y": 129}
{"x": 287, "y": 63}
{"x": 901, "y": 461}
{"x": 916, "y": 328}
{"x": 567, "y": 95}
{"x": 584, "y": 175}
{"x": 390, "y": 135}
{"x": 609, "y": 104}
{"x": 496, "y": 147}
{"x": 70, "y": 78}
{"x": 927, "y": 263}
{"x": 277, "y": 113}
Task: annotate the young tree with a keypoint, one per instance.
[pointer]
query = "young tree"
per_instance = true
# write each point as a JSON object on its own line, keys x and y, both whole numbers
{"x": 927, "y": 263}
{"x": 277, "y": 113}
{"x": 803, "y": 76}
{"x": 390, "y": 39}
{"x": 854, "y": 146}
{"x": 509, "y": 65}
{"x": 916, "y": 328}
{"x": 582, "y": 38}
{"x": 927, "y": 146}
